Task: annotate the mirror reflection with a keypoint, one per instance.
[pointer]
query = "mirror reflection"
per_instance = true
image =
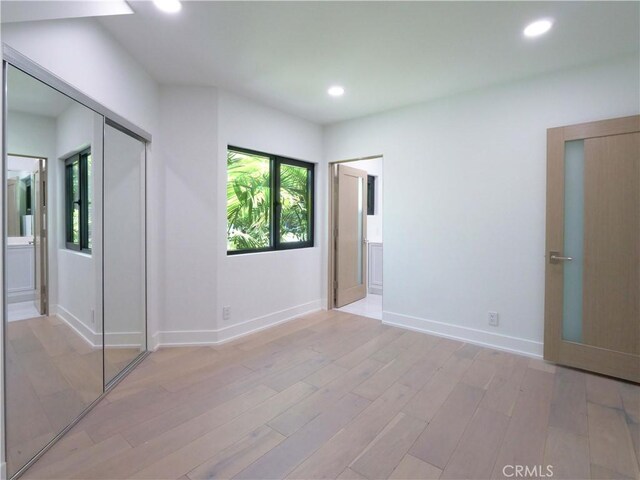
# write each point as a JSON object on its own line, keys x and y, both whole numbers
{"x": 124, "y": 250}
{"x": 21, "y": 187}
{"x": 54, "y": 327}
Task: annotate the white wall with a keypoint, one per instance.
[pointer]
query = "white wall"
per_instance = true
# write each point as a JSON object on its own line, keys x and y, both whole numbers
{"x": 465, "y": 198}
{"x": 374, "y": 167}
{"x": 188, "y": 126}
{"x": 196, "y": 125}
{"x": 33, "y": 135}
{"x": 82, "y": 53}
{"x": 75, "y": 286}
{"x": 263, "y": 288}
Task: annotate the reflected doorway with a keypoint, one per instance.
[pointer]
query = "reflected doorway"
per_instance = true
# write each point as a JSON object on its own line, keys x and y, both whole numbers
{"x": 27, "y": 260}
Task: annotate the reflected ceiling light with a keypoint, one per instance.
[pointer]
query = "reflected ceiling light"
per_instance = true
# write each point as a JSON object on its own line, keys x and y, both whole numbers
{"x": 336, "y": 91}
{"x": 538, "y": 28}
{"x": 169, "y": 6}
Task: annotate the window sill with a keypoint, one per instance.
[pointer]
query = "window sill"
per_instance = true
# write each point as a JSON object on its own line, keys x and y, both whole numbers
{"x": 282, "y": 250}
{"x": 76, "y": 252}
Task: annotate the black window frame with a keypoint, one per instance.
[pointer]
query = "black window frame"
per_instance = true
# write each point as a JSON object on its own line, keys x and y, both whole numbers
{"x": 276, "y": 207}
{"x": 83, "y": 185}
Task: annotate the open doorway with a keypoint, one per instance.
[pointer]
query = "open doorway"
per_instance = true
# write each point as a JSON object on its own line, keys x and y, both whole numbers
{"x": 355, "y": 236}
{"x": 26, "y": 237}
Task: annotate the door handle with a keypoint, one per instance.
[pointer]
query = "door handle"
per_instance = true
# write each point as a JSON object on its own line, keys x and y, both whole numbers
{"x": 555, "y": 257}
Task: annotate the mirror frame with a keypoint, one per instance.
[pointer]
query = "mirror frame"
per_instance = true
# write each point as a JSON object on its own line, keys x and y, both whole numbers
{"x": 14, "y": 58}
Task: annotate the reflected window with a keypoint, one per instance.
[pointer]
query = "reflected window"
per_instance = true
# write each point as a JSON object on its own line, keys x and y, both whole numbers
{"x": 78, "y": 200}
{"x": 371, "y": 195}
{"x": 269, "y": 202}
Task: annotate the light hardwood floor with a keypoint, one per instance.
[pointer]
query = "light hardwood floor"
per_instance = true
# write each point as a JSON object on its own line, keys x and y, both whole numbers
{"x": 53, "y": 374}
{"x": 334, "y": 395}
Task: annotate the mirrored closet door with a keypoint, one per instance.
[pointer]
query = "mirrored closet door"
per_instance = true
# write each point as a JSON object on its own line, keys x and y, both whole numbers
{"x": 75, "y": 270}
{"x": 124, "y": 247}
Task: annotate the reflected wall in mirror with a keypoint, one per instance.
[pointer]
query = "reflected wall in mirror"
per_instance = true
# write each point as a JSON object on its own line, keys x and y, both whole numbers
{"x": 54, "y": 367}
{"x": 124, "y": 250}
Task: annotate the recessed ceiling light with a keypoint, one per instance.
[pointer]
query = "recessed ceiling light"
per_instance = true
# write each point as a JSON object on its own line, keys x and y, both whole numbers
{"x": 169, "y": 6}
{"x": 336, "y": 91}
{"x": 538, "y": 28}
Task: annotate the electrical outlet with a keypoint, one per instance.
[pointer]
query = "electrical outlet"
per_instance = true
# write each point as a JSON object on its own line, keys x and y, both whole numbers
{"x": 226, "y": 313}
{"x": 493, "y": 319}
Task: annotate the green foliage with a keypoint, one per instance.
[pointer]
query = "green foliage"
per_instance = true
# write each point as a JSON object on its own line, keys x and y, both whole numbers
{"x": 249, "y": 202}
{"x": 75, "y": 185}
{"x": 294, "y": 198}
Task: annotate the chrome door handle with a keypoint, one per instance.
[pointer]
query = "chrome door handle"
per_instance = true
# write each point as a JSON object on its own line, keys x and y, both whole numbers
{"x": 555, "y": 257}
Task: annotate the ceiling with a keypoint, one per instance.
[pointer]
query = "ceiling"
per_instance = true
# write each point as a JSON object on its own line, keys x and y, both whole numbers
{"x": 28, "y": 95}
{"x": 33, "y": 10}
{"x": 385, "y": 54}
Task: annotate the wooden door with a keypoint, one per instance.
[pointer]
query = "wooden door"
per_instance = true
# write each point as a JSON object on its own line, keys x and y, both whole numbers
{"x": 13, "y": 214}
{"x": 40, "y": 237}
{"x": 350, "y": 235}
{"x": 592, "y": 292}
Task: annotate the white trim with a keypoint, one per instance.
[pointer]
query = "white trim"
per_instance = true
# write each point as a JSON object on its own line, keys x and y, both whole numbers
{"x": 3, "y": 470}
{"x": 21, "y": 295}
{"x": 154, "y": 341}
{"x": 226, "y": 334}
{"x": 94, "y": 339}
{"x": 516, "y": 345}
{"x": 124, "y": 339}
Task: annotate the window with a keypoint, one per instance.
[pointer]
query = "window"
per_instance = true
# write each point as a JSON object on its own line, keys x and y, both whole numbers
{"x": 78, "y": 199}
{"x": 269, "y": 202}
{"x": 371, "y": 195}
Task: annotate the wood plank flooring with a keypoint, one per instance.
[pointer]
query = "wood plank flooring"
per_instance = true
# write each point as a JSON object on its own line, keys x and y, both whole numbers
{"x": 53, "y": 374}
{"x": 335, "y": 395}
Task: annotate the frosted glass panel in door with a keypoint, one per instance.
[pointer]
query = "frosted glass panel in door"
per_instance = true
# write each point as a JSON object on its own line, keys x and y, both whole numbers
{"x": 573, "y": 240}
{"x": 360, "y": 237}
{"x": 124, "y": 250}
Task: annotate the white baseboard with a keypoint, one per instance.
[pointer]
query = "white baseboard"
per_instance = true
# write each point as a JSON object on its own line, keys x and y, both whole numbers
{"x": 93, "y": 338}
{"x": 497, "y": 341}
{"x": 21, "y": 296}
{"x": 123, "y": 340}
{"x": 226, "y": 334}
{"x": 375, "y": 290}
{"x": 153, "y": 342}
